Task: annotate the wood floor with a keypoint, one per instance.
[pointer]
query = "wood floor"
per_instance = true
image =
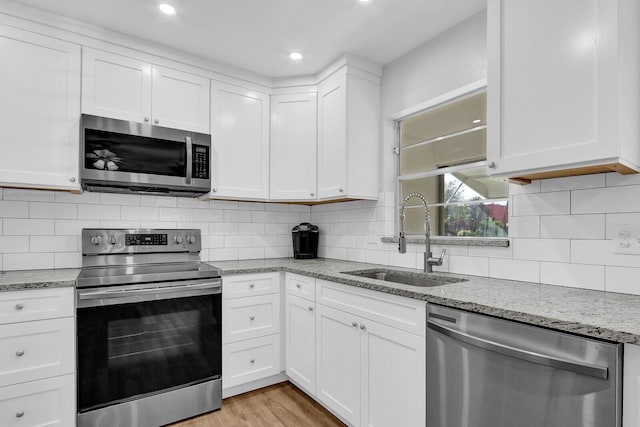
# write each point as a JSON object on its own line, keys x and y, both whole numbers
{"x": 279, "y": 405}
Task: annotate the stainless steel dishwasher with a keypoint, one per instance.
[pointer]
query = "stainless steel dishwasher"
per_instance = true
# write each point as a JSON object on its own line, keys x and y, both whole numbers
{"x": 487, "y": 372}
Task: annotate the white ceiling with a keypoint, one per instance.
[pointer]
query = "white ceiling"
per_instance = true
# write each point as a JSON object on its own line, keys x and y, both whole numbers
{"x": 258, "y": 35}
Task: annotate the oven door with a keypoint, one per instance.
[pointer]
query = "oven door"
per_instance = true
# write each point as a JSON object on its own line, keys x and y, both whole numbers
{"x": 138, "y": 340}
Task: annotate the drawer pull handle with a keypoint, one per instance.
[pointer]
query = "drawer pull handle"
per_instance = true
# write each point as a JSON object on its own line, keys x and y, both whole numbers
{"x": 252, "y": 360}
{"x": 19, "y": 414}
{"x": 253, "y": 285}
{"x": 298, "y": 285}
{"x": 20, "y": 353}
{"x": 252, "y": 317}
{"x": 310, "y": 308}
{"x": 354, "y": 324}
{"x": 362, "y": 326}
{"x": 19, "y": 306}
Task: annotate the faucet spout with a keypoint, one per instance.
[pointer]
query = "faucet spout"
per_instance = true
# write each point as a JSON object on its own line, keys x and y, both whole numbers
{"x": 429, "y": 261}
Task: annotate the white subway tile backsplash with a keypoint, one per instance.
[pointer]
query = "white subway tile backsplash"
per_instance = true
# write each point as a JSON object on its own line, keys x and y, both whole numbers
{"x": 159, "y": 201}
{"x": 534, "y": 187}
{"x": 53, "y": 210}
{"x": 356, "y": 255}
{"x": 14, "y": 244}
{"x": 28, "y": 227}
{"x": 158, "y": 224}
{"x": 185, "y": 202}
{"x": 251, "y": 253}
{"x": 27, "y": 195}
{"x": 490, "y": 251}
{"x": 11, "y": 209}
{"x": 226, "y": 254}
{"x": 574, "y": 275}
{"x": 223, "y": 228}
{"x": 619, "y": 219}
{"x": 27, "y": 261}
{"x": 175, "y": 214}
{"x": 375, "y": 256}
{"x": 68, "y": 259}
{"x": 223, "y": 204}
{"x": 524, "y": 226}
{"x": 258, "y": 240}
{"x": 236, "y": 216}
{"x": 572, "y": 226}
{"x": 277, "y": 252}
{"x": 622, "y": 279}
{"x": 99, "y": 212}
{"x": 131, "y": 223}
{"x": 572, "y": 183}
{"x": 212, "y": 241}
{"x": 86, "y": 198}
{"x": 120, "y": 199}
{"x": 147, "y": 213}
{"x": 615, "y": 179}
{"x": 251, "y": 206}
{"x": 556, "y": 203}
{"x": 237, "y": 241}
{"x": 600, "y": 252}
{"x": 250, "y": 228}
{"x": 556, "y": 250}
{"x": 264, "y": 216}
{"x": 53, "y": 243}
{"x": 407, "y": 260}
{"x": 477, "y": 266}
{"x": 73, "y": 227}
{"x": 606, "y": 200}
{"x": 514, "y": 269}
{"x": 208, "y": 215}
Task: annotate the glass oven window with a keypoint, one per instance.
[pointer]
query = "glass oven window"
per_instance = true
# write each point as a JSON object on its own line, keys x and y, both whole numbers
{"x": 135, "y": 154}
{"x": 130, "y": 350}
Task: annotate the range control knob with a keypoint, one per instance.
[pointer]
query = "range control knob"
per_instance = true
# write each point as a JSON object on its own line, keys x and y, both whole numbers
{"x": 113, "y": 240}
{"x": 191, "y": 239}
{"x": 177, "y": 239}
{"x": 95, "y": 240}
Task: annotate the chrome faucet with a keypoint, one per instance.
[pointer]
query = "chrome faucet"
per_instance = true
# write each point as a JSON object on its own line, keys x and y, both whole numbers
{"x": 429, "y": 261}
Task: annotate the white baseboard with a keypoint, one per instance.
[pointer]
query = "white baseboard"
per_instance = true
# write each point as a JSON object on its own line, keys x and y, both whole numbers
{"x": 254, "y": 385}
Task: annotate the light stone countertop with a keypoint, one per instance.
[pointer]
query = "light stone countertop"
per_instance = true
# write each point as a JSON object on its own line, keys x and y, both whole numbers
{"x": 605, "y": 315}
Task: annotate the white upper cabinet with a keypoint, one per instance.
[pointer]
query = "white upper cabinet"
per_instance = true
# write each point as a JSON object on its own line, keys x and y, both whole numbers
{"x": 563, "y": 88}
{"x": 128, "y": 89}
{"x": 348, "y": 136}
{"x": 240, "y": 143}
{"x": 40, "y": 107}
{"x": 180, "y": 100}
{"x": 293, "y": 146}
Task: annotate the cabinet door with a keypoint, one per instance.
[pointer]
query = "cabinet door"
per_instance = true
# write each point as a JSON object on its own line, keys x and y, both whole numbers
{"x": 115, "y": 86}
{"x": 300, "y": 345}
{"x": 293, "y": 146}
{"x": 240, "y": 143}
{"x": 393, "y": 377}
{"x": 552, "y": 79}
{"x": 338, "y": 373}
{"x": 40, "y": 110}
{"x": 180, "y": 100}
{"x": 332, "y": 137}
{"x": 50, "y": 402}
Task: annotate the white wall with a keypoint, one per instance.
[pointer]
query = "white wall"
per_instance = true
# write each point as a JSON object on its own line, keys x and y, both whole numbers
{"x": 41, "y": 229}
{"x": 560, "y": 229}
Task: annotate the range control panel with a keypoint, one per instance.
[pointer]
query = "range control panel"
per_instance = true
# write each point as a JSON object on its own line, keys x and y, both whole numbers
{"x": 96, "y": 241}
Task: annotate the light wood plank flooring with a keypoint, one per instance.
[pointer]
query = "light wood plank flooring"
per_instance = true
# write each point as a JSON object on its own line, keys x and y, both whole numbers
{"x": 279, "y": 405}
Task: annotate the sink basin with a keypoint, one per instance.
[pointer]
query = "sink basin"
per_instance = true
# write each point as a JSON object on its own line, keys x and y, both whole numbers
{"x": 406, "y": 277}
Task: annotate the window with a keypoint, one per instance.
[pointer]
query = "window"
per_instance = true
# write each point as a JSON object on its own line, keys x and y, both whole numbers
{"x": 443, "y": 153}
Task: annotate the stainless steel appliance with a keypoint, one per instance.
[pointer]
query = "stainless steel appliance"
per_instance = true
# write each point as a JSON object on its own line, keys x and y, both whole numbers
{"x": 487, "y": 372}
{"x": 149, "y": 336}
{"x": 129, "y": 157}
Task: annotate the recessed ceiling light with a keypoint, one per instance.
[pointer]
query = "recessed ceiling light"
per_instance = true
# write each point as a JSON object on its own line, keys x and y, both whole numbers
{"x": 296, "y": 56}
{"x": 477, "y": 121}
{"x": 168, "y": 9}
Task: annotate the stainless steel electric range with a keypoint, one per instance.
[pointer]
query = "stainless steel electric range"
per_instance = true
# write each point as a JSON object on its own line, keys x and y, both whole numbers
{"x": 148, "y": 328}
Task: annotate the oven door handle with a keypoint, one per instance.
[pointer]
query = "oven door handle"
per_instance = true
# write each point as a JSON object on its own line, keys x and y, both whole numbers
{"x": 128, "y": 294}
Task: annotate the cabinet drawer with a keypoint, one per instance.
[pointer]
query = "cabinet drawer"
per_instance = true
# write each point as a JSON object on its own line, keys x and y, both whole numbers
{"x": 301, "y": 286}
{"x": 35, "y": 350}
{"x": 251, "y": 317}
{"x": 399, "y": 312}
{"x": 21, "y": 306}
{"x": 250, "y": 284}
{"x": 250, "y": 360}
{"x": 49, "y": 402}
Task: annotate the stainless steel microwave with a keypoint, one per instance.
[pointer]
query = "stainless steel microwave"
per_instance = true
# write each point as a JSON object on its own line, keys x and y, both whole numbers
{"x": 129, "y": 157}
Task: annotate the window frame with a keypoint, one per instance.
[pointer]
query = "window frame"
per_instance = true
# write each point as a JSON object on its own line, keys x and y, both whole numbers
{"x": 467, "y": 91}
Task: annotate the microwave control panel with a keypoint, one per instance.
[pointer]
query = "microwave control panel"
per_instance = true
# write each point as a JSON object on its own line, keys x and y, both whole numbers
{"x": 200, "y": 162}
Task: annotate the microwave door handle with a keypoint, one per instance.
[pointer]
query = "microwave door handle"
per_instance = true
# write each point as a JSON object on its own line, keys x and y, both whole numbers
{"x": 189, "y": 143}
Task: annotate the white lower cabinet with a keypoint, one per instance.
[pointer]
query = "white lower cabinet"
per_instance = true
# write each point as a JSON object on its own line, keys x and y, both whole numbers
{"x": 49, "y": 402}
{"x": 250, "y": 360}
{"x": 300, "y": 345}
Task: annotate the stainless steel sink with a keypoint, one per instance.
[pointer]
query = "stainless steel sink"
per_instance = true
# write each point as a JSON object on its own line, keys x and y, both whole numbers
{"x": 406, "y": 277}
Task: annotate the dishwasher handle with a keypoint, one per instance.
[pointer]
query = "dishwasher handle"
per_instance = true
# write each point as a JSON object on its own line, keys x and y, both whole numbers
{"x": 529, "y": 356}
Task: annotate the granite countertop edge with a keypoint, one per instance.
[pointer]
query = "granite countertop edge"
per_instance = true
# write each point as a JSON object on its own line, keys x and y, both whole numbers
{"x": 475, "y": 295}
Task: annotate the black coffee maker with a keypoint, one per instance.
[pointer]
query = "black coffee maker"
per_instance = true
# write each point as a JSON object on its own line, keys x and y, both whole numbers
{"x": 305, "y": 240}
